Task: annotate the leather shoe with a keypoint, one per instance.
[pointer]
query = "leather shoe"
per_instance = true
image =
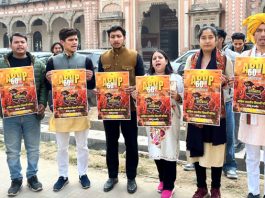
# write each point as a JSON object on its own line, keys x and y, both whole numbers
{"x": 131, "y": 186}
{"x": 110, "y": 184}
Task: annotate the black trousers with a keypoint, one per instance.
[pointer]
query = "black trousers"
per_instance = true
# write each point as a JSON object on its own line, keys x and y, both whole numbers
{"x": 167, "y": 173}
{"x": 130, "y": 132}
{"x": 216, "y": 173}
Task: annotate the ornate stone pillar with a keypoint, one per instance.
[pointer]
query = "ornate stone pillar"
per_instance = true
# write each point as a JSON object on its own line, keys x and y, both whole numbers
{"x": 90, "y": 16}
{"x": 30, "y": 41}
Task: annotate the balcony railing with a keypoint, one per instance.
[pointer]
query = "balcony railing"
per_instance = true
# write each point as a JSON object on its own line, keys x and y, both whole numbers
{"x": 110, "y": 15}
{"x": 205, "y": 6}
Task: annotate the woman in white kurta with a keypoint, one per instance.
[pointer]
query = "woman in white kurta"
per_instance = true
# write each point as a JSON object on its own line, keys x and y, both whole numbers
{"x": 163, "y": 143}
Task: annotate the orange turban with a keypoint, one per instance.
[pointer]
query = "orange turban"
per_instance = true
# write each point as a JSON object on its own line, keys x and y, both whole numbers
{"x": 252, "y": 23}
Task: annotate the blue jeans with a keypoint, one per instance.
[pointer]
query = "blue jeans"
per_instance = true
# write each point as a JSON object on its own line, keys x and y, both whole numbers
{"x": 230, "y": 162}
{"x": 16, "y": 128}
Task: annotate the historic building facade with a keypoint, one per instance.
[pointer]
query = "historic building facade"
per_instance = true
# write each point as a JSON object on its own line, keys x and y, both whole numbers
{"x": 171, "y": 25}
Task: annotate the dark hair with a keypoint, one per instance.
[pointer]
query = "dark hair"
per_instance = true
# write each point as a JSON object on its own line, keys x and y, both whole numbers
{"x": 238, "y": 36}
{"x": 19, "y": 35}
{"x": 66, "y": 32}
{"x": 56, "y": 43}
{"x": 221, "y": 33}
{"x": 168, "y": 69}
{"x": 116, "y": 28}
{"x": 207, "y": 27}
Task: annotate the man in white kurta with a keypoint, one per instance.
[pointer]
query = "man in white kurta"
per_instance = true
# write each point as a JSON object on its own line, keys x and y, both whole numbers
{"x": 252, "y": 127}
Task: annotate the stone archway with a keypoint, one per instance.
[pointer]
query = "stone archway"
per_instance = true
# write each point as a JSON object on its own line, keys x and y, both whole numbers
{"x": 159, "y": 30}
{"x": 38, "y": 28}
{"x": 58, "y": 24}
{"x": 19, "y": 26}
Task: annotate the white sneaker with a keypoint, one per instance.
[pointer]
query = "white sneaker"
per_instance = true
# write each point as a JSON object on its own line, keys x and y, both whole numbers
{"x": 189, "y": 167}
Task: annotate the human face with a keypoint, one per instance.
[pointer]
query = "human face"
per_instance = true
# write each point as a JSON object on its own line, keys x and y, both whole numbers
{"x": 70, "y": 44}
{"x": 238, "y": 45}
{"x": 207, "y": 40}
{"x": 57, "y": 49}
{"x": 159, "y": 63}
{"x": 116, "y": 39}
{"x": 259, "y": 35}
{"x": 19, "y": 46}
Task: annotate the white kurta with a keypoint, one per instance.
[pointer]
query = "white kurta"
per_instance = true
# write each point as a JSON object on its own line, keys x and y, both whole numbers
{"x": 163, "y": 143}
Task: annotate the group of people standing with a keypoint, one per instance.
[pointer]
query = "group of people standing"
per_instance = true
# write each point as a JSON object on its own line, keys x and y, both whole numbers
{"x": 207, "y": 146}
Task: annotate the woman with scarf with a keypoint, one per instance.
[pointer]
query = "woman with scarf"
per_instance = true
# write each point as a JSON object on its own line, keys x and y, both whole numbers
{"x": 251, "y": 130}
{"x": 205, "y": 143}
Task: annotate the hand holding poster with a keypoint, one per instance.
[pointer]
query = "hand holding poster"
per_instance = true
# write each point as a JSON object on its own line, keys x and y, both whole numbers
{"x": 69, "y": 93}
{"x": 153, "y": 101}
{"x": 249, "y": 85}
{"x": 18, "y": 91}
{"x": 113, "y": 101}
{"x": 202, "y": 96}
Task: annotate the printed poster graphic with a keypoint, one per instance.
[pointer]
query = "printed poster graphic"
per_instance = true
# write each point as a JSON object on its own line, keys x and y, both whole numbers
{"x": 69, "y": 93}
{"x": 202, "y": 96}
{"x": 18, "y": 91}
{"x": 112, "y": 101}
{"x": 153, "y": 101}
{"x": 249, "y": 94}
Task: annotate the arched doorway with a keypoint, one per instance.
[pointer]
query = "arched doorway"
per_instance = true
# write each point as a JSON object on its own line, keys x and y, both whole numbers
{"x": 37, "y": 41}
{"x": 56, "y": 26}
{"x": 5, "y": 41}
{"x": 38, "y": 25}
{"x": 159, "y": 30}
{"x": 79, "y": 24}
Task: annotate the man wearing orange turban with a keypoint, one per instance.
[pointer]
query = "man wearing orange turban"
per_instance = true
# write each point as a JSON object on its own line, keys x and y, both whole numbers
{"x": 251, "y": 130}
{"x": 252, "y": 23}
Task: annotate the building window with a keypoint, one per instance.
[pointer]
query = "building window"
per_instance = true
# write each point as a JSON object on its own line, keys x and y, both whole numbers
{"x": 104, "y": 36}
{"x": 37, "y": 41}
{"x": 5, "y": 41}
{"x": 78, "y": 20}
{"x": 196, "y": 31}
{"x": 37, "y": 22}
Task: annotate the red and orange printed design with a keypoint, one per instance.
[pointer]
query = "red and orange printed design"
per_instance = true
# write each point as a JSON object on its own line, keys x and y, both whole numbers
{"x": 112, "y": 101}
{"x": 153, "y": 101}
{"x": 69, "y": 93}
{"x": 249, "y": 93}
{"x": 202, "y": 96}
{"x": 18, "y": 91}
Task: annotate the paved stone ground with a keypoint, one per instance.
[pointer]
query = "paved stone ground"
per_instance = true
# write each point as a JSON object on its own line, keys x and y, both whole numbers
{"x": 48, "y": 175}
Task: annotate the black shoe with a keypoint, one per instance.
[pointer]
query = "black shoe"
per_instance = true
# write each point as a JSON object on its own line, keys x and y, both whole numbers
{"x": 15, "y": 187}
{"x": 34, "y": 184}
{"x": 60, "y": 184}
{"x": 131, "y": 186}
{"x": 110, "y": 184}
{"x": 85, "y": 182}
{"x": 250, "y": 195}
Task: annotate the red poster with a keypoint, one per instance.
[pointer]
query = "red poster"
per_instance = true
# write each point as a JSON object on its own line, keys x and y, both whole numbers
{"x": 113, "y": 102}
{"x": 69, "y": 93}
{"x": 202, "y": 96}
{"x": 153, "y": 101}
{"x": 18, "y": 91}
